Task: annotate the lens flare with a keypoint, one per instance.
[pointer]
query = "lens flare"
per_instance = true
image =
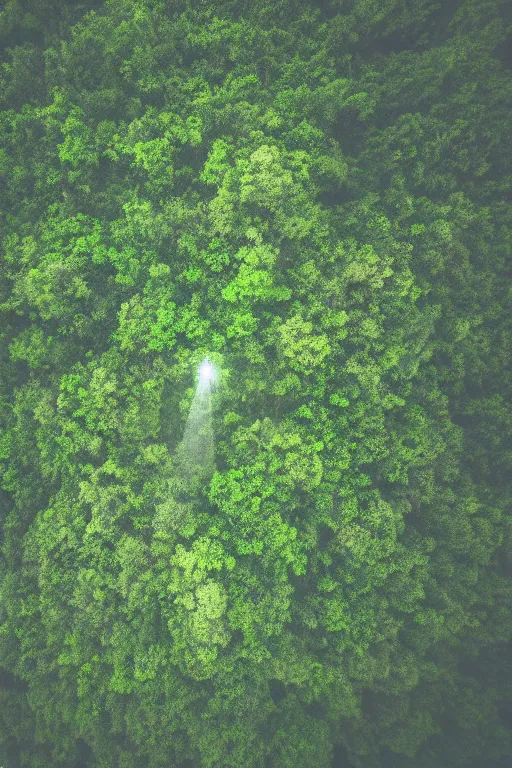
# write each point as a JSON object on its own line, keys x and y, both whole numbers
{"x": 196, "y": 453}
{"x": 206, "y": 371}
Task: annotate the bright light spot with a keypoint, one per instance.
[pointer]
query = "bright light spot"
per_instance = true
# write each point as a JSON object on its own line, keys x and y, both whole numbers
{"x": 206, "y": 371}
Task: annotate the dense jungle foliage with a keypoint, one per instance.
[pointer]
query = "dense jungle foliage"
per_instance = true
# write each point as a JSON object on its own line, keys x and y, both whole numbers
{"x": 318, "y": 197}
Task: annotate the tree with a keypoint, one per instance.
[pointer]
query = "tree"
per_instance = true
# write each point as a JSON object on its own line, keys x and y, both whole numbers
{"x": 316, "y": 198}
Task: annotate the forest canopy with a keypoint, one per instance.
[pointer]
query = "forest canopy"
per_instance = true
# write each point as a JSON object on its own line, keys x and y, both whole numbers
{"x": 316, "y": 197}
